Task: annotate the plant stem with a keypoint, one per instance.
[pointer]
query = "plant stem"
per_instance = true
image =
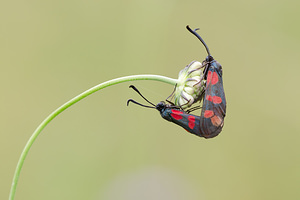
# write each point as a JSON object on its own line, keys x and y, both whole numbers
{"x": 70, "y": 103}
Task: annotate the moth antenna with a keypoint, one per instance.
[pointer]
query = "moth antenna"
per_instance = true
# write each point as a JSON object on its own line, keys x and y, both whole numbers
{"x": 133, "y": 101}
{"x": 199, "y": 37}
{"x": 135, "y": 89}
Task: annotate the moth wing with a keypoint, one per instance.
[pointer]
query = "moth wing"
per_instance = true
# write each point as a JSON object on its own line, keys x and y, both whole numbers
{"x": 214, "y": 105}
{"x": 187, "y": 121}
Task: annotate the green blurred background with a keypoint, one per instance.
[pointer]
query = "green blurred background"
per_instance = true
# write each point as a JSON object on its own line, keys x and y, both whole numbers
{"x": 100, "y": 148}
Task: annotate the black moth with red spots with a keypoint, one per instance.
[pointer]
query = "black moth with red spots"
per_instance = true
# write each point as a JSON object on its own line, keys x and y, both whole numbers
{"x": 210, "y": 123}
{"x": 214, "y": 102}
{"x": 173, "y": 114}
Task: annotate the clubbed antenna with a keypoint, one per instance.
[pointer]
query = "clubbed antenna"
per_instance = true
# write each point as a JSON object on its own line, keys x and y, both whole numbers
{"x": 133, "y": 101}
{"x": 199, "y": 37}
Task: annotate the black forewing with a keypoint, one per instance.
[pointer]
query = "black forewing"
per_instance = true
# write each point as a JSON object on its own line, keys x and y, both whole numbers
{"x": 212, "y": 126}
{"x": 187, "y": 121}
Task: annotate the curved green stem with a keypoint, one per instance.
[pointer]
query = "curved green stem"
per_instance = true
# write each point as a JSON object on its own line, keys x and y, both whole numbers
{"x": 70, "y": 103}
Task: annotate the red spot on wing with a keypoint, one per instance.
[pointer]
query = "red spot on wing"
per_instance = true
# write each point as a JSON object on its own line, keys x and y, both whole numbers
{"x": 208, "y": 77}
{"x": 191, "y": 119}
{"x": 209, "y": 98}
{"x": 215, "y": 78}
{"x": 216, "y": 99}
{"x": 176, "y": 114}
{"x": 208, "y": 113}
{"x": 216, "y": 120}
